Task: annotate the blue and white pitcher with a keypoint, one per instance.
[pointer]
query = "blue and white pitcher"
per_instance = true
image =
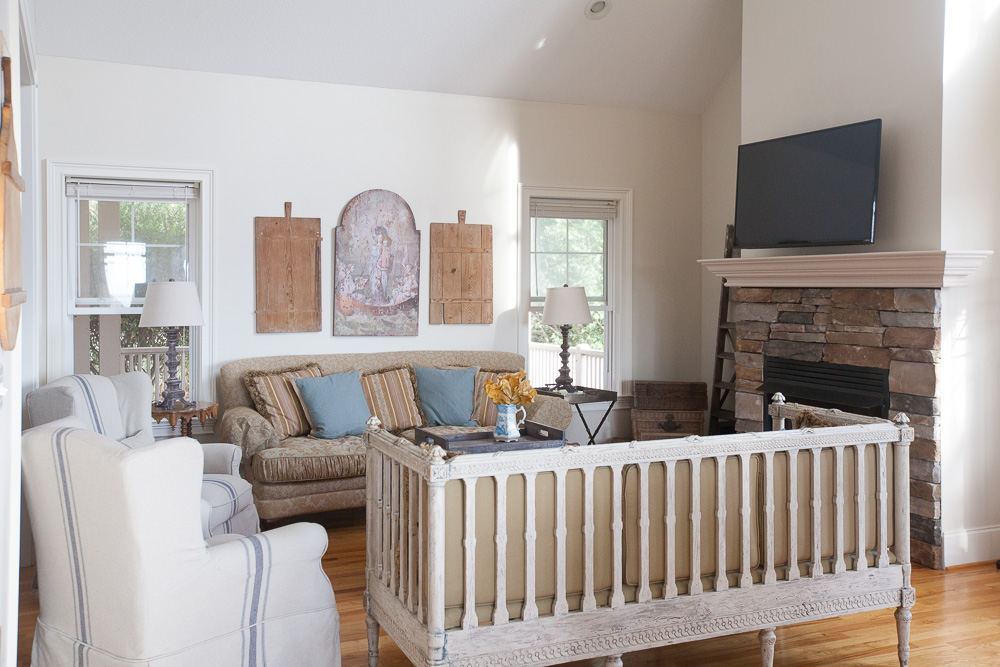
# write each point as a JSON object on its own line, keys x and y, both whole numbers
{"x": 507, "y": 423}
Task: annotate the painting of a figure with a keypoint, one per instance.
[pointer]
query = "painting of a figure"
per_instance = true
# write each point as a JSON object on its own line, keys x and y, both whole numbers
{"x": 377, "y": 251}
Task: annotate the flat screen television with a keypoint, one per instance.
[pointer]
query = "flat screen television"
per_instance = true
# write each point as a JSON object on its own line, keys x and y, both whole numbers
{"x": 813, "y": 189}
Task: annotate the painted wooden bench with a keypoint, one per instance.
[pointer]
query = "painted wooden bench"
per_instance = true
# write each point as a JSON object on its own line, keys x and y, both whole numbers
{"x": 821, "y": 530}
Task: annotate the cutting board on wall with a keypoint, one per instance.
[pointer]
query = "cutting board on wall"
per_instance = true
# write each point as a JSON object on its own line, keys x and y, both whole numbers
{"x": 12, "y": 294}
{"x": 461, "y": 273}
{"x": 287, "y": 254}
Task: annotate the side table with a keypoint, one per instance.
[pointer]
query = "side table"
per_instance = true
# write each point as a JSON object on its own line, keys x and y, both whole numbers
{"x": 201, "y": 409}
{"x": 587, "y": 395}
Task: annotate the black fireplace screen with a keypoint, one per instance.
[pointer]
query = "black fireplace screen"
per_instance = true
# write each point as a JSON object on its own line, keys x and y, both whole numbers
{"x": 857, "y": 389}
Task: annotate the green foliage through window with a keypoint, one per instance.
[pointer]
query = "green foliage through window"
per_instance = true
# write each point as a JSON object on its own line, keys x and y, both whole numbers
{"x": 591, "y": 334}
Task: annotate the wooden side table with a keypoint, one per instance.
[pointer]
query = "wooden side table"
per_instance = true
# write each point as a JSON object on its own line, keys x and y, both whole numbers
{"x": 203, "y": 410}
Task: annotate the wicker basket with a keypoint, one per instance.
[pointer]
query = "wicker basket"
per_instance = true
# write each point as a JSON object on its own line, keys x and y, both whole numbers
{"x": 658, "y": 424}
{"x": 650, "y": 395}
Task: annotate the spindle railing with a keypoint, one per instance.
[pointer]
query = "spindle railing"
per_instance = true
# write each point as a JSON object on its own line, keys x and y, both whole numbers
{"x": 520, "y": 624}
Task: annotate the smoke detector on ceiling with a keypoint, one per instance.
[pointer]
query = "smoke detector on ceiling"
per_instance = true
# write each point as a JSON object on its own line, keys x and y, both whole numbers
{"x": 597, "y": 9}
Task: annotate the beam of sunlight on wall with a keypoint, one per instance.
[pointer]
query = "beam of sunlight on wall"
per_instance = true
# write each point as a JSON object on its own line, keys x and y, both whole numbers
{"x": 963, "y": 24}
{"x": 953, "y": 390}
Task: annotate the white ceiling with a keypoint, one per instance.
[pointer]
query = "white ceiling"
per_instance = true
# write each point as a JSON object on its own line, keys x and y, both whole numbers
{"x": 667, "y": 55}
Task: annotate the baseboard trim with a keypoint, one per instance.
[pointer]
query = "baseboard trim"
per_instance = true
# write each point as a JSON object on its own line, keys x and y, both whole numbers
{"x": 972, "y": 546}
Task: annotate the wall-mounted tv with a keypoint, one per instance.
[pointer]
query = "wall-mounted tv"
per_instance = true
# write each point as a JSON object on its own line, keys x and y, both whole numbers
{"x": 813, "y": 189}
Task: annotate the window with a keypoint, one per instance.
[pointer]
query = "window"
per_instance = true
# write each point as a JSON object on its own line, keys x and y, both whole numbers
{"x": 577, "y": 241}
{"x": 123, "y": 235}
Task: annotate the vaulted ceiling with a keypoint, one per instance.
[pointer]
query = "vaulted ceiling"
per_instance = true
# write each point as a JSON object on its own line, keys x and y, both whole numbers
{"x": 666, "y": 55}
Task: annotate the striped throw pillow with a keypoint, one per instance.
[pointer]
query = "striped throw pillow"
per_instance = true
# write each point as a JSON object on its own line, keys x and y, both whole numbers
{"x": 484, "y": 411}
{"x": 275, "y": 398}
{"x": 391, "y": 398}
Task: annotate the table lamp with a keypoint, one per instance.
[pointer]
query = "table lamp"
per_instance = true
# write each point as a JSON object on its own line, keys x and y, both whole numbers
{"x": 172, "y": 305}
{"x": 564, "y": 307}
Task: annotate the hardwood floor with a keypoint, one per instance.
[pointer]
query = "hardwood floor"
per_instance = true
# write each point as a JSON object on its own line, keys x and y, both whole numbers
{"x": 956, "y": 621}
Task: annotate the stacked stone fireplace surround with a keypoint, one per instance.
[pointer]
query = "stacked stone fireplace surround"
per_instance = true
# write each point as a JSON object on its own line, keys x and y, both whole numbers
{"x": 895, "y": 329}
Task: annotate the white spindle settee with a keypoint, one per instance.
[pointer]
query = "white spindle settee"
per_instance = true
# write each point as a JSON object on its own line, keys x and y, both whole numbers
{"x": 547, "y": 556}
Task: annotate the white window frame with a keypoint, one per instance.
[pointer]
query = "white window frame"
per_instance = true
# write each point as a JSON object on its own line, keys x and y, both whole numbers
{"x": 60, "y": 279}
{"x": 94, "y": 306}
{"x": 619, "y": 270}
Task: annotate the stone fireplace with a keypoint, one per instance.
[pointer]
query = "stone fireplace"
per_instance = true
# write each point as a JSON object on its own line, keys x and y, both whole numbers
{"x": 872, "y": 317}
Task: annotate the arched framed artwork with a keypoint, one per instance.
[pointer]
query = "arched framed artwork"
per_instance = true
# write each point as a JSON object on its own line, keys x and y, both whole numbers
{"x": 377, "y": 267}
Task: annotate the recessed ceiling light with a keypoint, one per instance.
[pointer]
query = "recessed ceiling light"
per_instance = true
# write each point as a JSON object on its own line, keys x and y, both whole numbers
{"x": 597, "y": 9}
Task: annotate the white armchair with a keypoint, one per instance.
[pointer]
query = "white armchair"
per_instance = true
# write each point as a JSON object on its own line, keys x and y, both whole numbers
{"x": 119, "y": 407}
{"x": 126, "y": 577}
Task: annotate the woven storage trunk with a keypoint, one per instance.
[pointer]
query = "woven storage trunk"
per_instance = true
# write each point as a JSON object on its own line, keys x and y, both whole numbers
{"x": 659, "y": 424}
{"x": 670, "y": 395}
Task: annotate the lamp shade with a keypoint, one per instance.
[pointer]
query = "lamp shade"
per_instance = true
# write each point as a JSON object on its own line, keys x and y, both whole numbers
{"x": 171, "y": 304}
{"x": 566, "y": 305}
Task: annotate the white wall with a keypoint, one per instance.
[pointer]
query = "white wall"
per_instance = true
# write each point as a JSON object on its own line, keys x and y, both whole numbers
{"x": 720, "y": 137}
{"x": 318, "y": 145}
{"x": 809, "y": 64}
{"x": 971, "y": 318}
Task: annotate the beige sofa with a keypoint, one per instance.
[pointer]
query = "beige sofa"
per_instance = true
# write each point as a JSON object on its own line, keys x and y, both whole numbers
{"x": 303, "y": 475}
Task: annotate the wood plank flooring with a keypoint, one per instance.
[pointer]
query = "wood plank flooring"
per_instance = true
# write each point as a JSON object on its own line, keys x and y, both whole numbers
{"x": 956, "y": 621}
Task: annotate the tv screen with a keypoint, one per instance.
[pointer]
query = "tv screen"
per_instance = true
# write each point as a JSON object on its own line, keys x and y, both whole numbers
{"x": 812, "y": 189}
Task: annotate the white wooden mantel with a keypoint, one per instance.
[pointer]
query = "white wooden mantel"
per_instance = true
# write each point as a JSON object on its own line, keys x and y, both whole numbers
{"x": 919, "y": 268}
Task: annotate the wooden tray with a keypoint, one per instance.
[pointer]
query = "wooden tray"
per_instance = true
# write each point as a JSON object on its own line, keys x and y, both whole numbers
{"x": 533, "y": 436}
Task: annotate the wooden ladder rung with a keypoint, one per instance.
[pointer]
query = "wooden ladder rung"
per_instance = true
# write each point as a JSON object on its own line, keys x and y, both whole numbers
{"x": 722, "y": 390}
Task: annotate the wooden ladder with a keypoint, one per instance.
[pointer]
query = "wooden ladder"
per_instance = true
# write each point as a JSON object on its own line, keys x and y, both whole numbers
{"x": 723, "y": 420}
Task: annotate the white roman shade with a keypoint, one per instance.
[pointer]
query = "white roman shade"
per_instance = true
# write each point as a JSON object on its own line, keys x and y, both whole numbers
{"x": 130, "y": 190}
{"x": 584, "y": 209}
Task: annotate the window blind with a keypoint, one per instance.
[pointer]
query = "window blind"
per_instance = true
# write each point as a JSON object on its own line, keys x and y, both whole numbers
{"x": 585, "y": 209}
{"x": 130, "y": 190}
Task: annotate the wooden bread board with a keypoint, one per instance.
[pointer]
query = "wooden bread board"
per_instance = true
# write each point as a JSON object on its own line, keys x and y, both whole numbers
{"x": 289, "y": 293}
{"x": 461, "y": 273}
{"x": 12, "y": 294}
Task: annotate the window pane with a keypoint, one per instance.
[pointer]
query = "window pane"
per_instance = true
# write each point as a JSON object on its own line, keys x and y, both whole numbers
{"x": 118, "y": 271}
{"x": 159, "y": 222}
{"x": 586, "y": 362}
{"x": 588, "y": 271}
{"x": 586, "y": 235}
{"x": 91, "y": 273}
{"x": 549, "y": 235}
{"x": 90, "y": 207}
{"x": 166, "y": 263}
{"x": 550, "y": 272}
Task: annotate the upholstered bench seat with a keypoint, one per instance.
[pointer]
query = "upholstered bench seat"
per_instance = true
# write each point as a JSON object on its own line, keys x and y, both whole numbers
{"x": 306, "y": 459}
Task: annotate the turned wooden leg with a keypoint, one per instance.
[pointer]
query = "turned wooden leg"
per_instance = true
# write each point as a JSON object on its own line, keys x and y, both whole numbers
{"x": 373, "y": 630}
{"x": 613, "y": 661}
{"x": 903, "y": 617}
{"x": 767, "y": 640}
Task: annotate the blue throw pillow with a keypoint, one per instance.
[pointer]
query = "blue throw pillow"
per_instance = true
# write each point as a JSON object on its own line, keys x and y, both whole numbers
{"x": 334, "y": 404}
{"x": 446, "y": 395}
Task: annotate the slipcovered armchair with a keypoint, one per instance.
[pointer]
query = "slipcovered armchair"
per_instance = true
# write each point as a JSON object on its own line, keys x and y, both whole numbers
{"x": 126, "y": 578}
{"x": 120, "y": 407}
